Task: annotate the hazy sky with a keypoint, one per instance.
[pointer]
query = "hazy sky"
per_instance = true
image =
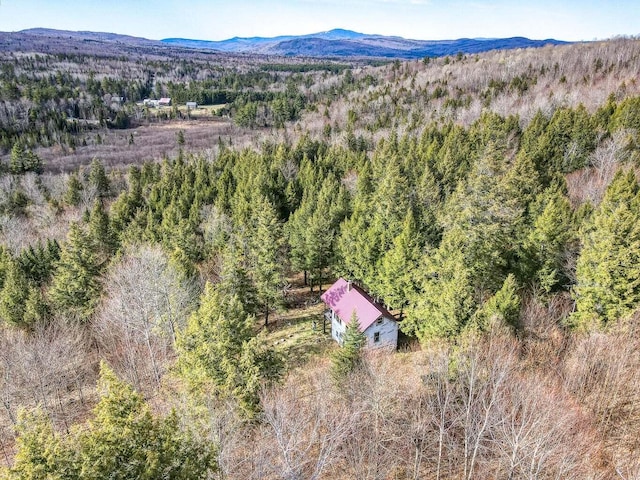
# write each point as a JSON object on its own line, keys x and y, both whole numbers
{"x": 419, "y": 19}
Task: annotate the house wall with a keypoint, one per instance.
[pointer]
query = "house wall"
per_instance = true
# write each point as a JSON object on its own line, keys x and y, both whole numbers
{"x": 337, "y": 328}
{"x": 388, "y": 330}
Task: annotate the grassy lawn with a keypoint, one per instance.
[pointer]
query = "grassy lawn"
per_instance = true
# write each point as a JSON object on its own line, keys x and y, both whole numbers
{"x": 293, "y": 333}
{"x": 201, "y": 112}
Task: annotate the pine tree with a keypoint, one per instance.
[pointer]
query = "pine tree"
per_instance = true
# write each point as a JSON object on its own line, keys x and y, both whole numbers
{"x": 123, "y": 440}
{"x": 36, "y": 309}
{"x": 5, "y": 264}
{"x": 313, "y": 229}
{"x": 259, "y": 365}
{"x": 32, "y": 162}
{"x": 74, "y": 187}
{"x": 608, "y": 268}
{"x": 217, "y": 350}
{"x": 38, "y": 262}
{"x": 75, "y": 287}
{"x": 40, "y": 453}
{"x": 547, "y": 241}
{"x": 180, "y": 138}
{"x": 502, "y": 308}
{"x": 14, "y": 294}
{"x": 101, "y": 232}
{"x": 357, "y": 248}
{"x": 17, "y": 159}
{"x": 267, "y": 246}
{"x": 234, "y": 279}
{"x": 445, "y": 301}
{"x": 98, "y": 178}
{"x": 398, "y": 266}
{"x": 348, "y": 357}
{"x": 213, "y": 337}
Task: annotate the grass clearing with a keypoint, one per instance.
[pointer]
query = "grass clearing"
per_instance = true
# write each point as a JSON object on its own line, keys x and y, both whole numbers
{"x": 298, "y": 331}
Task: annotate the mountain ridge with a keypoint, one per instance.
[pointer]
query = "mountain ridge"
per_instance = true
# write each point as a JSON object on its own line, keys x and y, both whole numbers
{"x": 348, "y": 43}
{"x": 331, "y": 43}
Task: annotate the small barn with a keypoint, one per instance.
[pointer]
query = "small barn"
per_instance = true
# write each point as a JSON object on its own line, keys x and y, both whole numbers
{"x": 344, "y": 298}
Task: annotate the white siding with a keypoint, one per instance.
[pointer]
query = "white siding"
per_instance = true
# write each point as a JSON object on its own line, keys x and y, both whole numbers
{"x": 387, "y": 329}
{"x": 337, "y": 328}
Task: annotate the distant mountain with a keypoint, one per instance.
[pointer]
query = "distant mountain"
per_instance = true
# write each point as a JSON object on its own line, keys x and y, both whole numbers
{"x": 96, "y": 36}
{"x": 346, "y": 43}
{"x": 333, "y": 43}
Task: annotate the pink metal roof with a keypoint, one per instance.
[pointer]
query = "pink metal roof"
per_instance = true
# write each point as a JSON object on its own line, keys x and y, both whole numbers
{"x": 344, "y": 299}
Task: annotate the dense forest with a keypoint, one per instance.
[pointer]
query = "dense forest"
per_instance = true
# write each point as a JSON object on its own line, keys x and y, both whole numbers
{"x": 158, "y": 307}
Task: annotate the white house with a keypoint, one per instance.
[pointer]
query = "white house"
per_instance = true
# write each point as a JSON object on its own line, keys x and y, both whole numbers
{"x": 192, "y": 105}
{"x": 343, "y": 299}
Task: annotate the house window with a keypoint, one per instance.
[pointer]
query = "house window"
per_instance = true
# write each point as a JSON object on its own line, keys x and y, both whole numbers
{"x": 376, "y": 337}
{"x": 379, "y": 322}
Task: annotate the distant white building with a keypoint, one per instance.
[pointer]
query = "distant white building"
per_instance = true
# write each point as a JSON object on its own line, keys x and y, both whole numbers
{"x": 164, "y": 102}
{"x": 147, "y": 102}
{"x": 343, "y": 299}
{"x": 192, "y": 105}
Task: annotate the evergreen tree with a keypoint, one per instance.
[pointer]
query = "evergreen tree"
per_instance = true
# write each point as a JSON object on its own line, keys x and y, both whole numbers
{"x": 180, "y": 138}
{"x": 32, "y": 162}
{"x": 267, "y": 248}
{"x": 101, "y": 232}
{"x": 14, "y": 294}
{"x": 217, "y": 350}
{"x": 398, "y": 266}
{"x": 36, "y": 309}
{"x": 348, "y": 357}
{"x": 357, "y": 249}
{"x": 313, "y": 229}
{"x": 40, "y": 454}
{"x": 234, "y": 279}
{"x": 608, "y": 268}
{"x": 482, "y": 219}
{"x": 213, "y": 337}
{"x": 17, "y": 159}
{"x": 123, "y": 440}
{"x": 98, "y": 178}
{"x": 445, "y": 300}
{"x": 547, "y": 240}
{"x": 502, "y": 308}
{"x": 75, "y": 286}
{"x": 38, "y": 262}
{"x": 5, "y": 264}
{"x": 74, "y": 187}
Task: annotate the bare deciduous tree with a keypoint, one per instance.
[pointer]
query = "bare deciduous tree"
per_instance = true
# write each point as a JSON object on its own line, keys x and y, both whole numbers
{"x": 146, "y": 301}
{"x": 51, "y": 367}
{"x": 306, "y": 427}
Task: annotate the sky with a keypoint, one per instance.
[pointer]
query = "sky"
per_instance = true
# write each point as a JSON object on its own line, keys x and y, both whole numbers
{"x": 418, "y": 19}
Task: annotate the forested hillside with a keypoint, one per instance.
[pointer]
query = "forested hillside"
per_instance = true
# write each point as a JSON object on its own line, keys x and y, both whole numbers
{"x": 159, "y": 307}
